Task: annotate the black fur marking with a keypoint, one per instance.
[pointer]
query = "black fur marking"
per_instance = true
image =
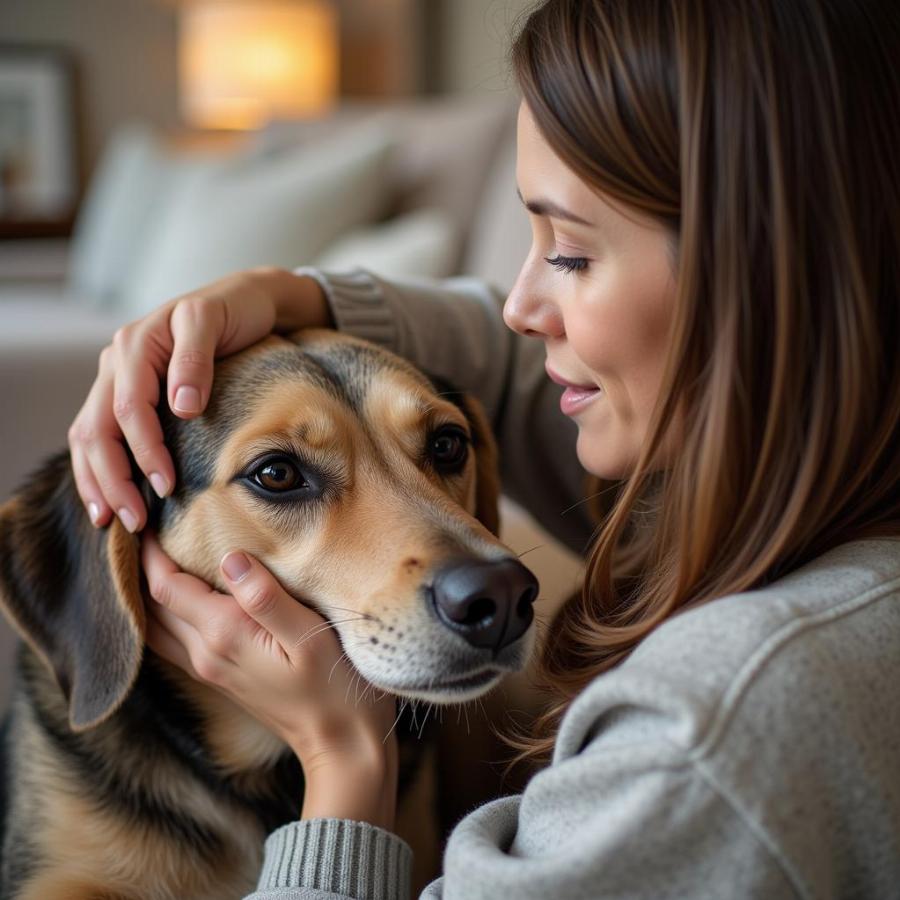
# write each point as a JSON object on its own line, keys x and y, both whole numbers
{"x": 330, "y": 368}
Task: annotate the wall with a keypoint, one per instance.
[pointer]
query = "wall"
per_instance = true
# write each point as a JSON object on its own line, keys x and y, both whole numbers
{"x": 126, "y": 51}
{"x": 474, "y": 37}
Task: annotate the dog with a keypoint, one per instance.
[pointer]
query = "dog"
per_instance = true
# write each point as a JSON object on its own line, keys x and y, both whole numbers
{"x": 362, "y": 484}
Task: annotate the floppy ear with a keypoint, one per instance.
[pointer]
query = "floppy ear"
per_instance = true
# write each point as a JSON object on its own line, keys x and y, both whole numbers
{"x": 73, "y": 592}
{"x": 487, "y": 486}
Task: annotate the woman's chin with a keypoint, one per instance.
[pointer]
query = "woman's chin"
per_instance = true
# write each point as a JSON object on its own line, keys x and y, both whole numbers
{"x": 602, "y": 457}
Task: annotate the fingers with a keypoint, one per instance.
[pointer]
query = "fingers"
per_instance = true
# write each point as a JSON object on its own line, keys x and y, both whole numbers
{"x": 135, "y": 397}
{"x": 120, "y": 409}
{"x": 265, "y": 601}
{"x": 161, "y": 640}
{"x": 190, "y": 599}
{"x": 196, "y": 329}
{"x": 179, "y": 340}
{"x": 99, "y": 461}
{"x": 88, "y": 489}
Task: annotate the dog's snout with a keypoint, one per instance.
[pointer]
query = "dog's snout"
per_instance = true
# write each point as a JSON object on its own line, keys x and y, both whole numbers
{"x": 487, "y": 602}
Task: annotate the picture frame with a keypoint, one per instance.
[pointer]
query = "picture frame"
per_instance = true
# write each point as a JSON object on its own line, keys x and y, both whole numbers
{"x": 39, "y": 179}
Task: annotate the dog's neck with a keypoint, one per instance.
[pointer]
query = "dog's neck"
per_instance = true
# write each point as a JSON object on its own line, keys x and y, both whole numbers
{"x": 237, "y": 744}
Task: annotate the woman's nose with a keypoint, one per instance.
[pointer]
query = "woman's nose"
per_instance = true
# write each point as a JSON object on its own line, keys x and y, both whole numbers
{"x": 529, "y": 311}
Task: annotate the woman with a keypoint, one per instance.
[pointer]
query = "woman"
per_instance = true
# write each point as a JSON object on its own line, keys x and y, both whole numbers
{"x": 715, "y": 276}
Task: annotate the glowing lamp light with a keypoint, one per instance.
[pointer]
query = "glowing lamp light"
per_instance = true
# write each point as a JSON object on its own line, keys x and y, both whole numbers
{"x": 242, "y": 62}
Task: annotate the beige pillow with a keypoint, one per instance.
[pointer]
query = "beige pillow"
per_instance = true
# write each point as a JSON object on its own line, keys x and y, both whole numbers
{"x": 420, "y": 243}
{"x": 279, "y": 209}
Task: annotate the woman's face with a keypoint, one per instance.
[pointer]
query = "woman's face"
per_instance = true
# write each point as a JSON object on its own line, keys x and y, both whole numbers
{"x": 605, "y": 322}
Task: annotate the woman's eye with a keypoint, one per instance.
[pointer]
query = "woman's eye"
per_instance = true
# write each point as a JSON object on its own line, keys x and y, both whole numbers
{"x": 278, "y": 475}
{"x": 568, "y": 263}
{"x": 448, "y": 449}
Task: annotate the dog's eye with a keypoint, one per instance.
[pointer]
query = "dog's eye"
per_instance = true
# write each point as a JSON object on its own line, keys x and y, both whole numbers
{"x": 278, "y": 475}
{"x": 448, "y": 449}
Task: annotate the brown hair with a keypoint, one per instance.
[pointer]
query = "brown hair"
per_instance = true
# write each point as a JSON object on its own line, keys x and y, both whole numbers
{"x": 764, "y": 134}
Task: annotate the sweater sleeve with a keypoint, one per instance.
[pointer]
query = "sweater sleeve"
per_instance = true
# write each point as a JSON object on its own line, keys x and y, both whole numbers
{"x": 454, "y": 330}
{"x": 618, "y": 820}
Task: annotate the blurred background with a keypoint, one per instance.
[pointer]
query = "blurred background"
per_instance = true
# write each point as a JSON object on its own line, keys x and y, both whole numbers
{"x": 131, "y": 60}
{"x": 150, "y": 146}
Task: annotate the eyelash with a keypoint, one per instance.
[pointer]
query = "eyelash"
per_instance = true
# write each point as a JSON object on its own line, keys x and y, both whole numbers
{"x": 567, "y": 264}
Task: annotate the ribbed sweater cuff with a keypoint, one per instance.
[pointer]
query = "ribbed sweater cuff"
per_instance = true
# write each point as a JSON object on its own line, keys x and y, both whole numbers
{"x": 352, "y": 859}
{"x": 357, "y": 304}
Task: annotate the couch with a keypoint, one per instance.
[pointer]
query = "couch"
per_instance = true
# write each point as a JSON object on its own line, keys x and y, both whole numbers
{"x": 420, "y": 188}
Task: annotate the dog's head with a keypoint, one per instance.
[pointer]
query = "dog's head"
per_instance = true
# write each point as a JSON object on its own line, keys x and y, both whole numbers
{"x": 368, "y": 489}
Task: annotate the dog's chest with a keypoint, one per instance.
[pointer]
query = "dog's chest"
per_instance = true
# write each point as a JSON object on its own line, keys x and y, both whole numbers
{"x": 135, "y": 807}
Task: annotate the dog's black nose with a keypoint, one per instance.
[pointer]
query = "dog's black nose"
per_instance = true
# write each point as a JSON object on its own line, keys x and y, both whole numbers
{"x": 488, "y": 602}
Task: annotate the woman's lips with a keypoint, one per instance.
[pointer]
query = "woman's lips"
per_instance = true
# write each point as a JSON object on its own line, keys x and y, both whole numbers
{"x": 575, "y": 396}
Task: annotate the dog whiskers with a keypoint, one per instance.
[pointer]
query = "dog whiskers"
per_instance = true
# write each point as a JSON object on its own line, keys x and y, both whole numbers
{"x": 342, "y": 657}
{"x": 318, "y": 629}
{"x": 402, "y": 707}
{"x": 430, "y": 707}
{"x": 353, "y": 678}
{"x": 364, "y": 615}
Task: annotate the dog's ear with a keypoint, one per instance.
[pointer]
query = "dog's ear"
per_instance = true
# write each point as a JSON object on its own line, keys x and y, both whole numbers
{"x": 73, "y": 592}
{"x": 487, "y": 487}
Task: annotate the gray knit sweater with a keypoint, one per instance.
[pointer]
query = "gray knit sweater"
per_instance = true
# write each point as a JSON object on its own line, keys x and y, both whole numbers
{"x": 749, "y": 748}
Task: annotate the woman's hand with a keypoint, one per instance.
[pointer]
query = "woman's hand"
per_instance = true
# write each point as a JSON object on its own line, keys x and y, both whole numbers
{"x": 281, "y": 661}
{"x": 178, "y": 341}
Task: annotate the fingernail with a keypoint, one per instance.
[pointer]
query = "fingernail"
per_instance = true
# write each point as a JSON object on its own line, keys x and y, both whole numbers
{"x": 235, "y": 565}
{"x": 128, "y": 519}
{"x": 187, "y": 399}
{"x": 160, "y": 485}
{"x": 94, "y": 512}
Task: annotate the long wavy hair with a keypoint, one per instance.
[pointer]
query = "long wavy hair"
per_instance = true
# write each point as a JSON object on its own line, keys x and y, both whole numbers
{"x": 765, "y": 134}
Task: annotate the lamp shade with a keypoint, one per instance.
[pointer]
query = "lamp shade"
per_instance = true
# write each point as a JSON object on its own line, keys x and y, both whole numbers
{"x": 242, "y": 62}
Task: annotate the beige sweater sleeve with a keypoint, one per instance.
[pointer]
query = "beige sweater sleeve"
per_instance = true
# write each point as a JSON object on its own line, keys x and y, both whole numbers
{"x": 454, "y": 330}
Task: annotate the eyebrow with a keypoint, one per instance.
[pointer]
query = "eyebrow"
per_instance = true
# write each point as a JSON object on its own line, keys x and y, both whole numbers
{"x": 549, "y": 208}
